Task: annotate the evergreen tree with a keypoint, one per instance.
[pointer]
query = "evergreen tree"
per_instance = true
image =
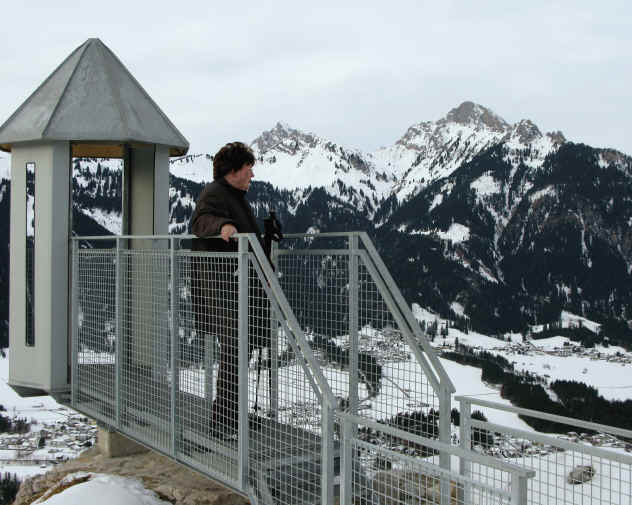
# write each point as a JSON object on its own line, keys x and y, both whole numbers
{"x": 9, "y": 486}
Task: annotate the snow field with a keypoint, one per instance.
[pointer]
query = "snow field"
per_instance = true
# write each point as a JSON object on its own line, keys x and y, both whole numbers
{"x": 102, "y": 489}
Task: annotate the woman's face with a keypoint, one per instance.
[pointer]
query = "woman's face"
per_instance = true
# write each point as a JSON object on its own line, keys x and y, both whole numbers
{"x": 241, "y": 178}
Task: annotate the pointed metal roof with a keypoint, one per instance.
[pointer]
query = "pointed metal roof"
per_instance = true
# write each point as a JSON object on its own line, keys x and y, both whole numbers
{"x": 91, "y": 97}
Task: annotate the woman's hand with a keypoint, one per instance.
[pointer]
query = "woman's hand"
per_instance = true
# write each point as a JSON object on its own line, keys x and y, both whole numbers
{"x": 227, "y": 231}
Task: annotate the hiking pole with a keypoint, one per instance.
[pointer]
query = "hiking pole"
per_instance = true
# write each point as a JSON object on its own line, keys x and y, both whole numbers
{"x": 272, "y": 231}
{"x": 256, "y": 407}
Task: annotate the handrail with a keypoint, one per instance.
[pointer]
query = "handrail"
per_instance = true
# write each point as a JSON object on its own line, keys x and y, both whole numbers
{"x": 400, "y": 303}
{"x": 439, "y": 472}
{"x": 145, "y": 237}
{"x": 551, "y": 440}
{"x": 570, "y": 421}
{"x": 399, "y": 318}
{"x": 273, "y": 283}
{"x": 183, "y": 236}
{"x": 396, "y": 293}
{"x": 472, "y": 456}
{"x": 275, "y": 306}
{"x": 414, "y": 324}
{"x": 325, "y": 234}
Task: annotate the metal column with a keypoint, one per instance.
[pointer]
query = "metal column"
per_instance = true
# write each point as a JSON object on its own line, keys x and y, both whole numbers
{"x": 243, "y": 378}
{"x": 75, "y": 323}
{"x": 465, "y": 438}
{"x": 118, "y": 348}
{"x": 175, "y": 373}
{"x": 353, "y": 324}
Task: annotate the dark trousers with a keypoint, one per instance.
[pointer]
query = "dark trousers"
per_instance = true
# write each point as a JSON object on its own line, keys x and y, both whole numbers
{"x": 226, "y": 404}
{"x": 215, "y": 305}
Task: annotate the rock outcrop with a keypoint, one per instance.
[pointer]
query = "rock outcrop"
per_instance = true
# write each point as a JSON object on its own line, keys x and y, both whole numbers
{"x": 172, "y": 482}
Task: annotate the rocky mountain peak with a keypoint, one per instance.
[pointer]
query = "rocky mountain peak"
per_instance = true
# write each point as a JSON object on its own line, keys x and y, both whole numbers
{"x": 525, "y": 131}
{"x": 472, "y": 114}
{"x": 283, "y": 138}
{"x": 557, "y": 137}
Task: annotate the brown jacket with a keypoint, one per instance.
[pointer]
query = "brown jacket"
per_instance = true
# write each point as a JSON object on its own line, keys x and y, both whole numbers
{"x": 220, "y": 204}
{"x": 214, "y": 284}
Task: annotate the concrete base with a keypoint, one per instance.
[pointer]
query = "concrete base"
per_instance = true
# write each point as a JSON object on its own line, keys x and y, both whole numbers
{"x": 114, "y": 445}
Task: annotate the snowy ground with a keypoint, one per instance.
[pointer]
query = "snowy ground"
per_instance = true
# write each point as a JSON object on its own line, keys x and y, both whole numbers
{"x": 5, "y": 166}
{"x": 612, "y": 379}
{"x": 398, "y": 393}
{"x": 194, "y": 167}
{"x": 570, "y": 320}
{"x": 101, "y": 489}
{"x": 39, "y": 408}
{"x": 44, "y": 413}
{"x": 467, "y": 381}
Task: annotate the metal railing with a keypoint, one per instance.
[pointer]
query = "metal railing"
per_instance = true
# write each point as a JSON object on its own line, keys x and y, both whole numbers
{"x": 151, "y": 362}
{"x": 569, "y": 469}
{"x": 288, "y": 380}
{"x": 396, "y": 466}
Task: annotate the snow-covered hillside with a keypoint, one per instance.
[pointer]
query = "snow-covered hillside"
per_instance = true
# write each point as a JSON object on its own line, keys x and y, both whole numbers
{"x": 194, "y": 167}
{"x": 5, "y": 166}
{"x": 431, "y": 150}
{"x": 290, "y": 159}
{"x": 555, "y": 358}
{"x": 45, "y": 414}
{"x": 428, "y": 151}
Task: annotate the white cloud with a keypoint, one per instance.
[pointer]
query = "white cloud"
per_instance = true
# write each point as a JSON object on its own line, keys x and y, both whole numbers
{"x": 358, "y": 74}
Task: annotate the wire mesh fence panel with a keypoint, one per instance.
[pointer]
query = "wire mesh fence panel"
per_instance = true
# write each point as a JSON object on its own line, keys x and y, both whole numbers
{"x": 356, "y": 338}
{"x": 397, "y": 389}
{"x": 173, "y": 375}
{"x": 382, "y": 476}
{"x": 207, "y": 360}
{"x": 568, "y": 468}
{"x": 284, "y": 404}
{"x": 391, "y": 384}
{"x": 317, "y": 288}
{"x": 145, "y": 339}
{"x": 96, "y": 335}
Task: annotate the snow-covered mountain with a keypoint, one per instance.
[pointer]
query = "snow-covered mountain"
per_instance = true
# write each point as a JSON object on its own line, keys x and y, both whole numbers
{"x": 504, "y": 221}
{"x": 431, "y": 150}
{"x": 194, "y": 167}
{"x": 5, "y": 166}
{"x": 291, "y": 159}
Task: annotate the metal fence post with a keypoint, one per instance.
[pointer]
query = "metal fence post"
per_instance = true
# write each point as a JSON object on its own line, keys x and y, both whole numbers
{"x": 175, "y": 374}
{"x": 209, "y": 366}
{"x": 465, "y": 442}
{"x": 353, "y": 323}
{"x": 74, "y": 375}
{"x": 518, "y": 489}
{"x": 327, "y": 455}
{"x": 243, "y": 378}
{"x": 444, "y": 436}
{"x": 118, "y": 325}
{"x": 346, "y": 464}
{"x": 274, "y": 346}
{"x": 350, "y": 429}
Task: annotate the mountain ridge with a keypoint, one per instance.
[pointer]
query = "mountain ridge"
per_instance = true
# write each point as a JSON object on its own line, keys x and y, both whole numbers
{"x": 510, "y": 223}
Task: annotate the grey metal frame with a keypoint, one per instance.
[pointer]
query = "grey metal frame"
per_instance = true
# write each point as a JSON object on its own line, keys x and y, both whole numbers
{"x": 290, "y": 451}
{"x": 518, "y": 476}
{"x": 545, "y": 487}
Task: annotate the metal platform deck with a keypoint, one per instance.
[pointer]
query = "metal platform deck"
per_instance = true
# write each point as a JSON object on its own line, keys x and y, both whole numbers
{"x": 278, "y": 454}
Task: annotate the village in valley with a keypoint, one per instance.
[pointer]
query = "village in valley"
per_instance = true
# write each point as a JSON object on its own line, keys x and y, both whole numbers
{"x": 48, "y": 442}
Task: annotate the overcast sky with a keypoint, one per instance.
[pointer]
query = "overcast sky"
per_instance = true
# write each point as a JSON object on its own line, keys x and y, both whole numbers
{"x": 358, "y": 74}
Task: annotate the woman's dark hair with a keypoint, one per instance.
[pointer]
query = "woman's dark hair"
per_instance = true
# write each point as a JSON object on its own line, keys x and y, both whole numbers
{"x": 231, "y": 158}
